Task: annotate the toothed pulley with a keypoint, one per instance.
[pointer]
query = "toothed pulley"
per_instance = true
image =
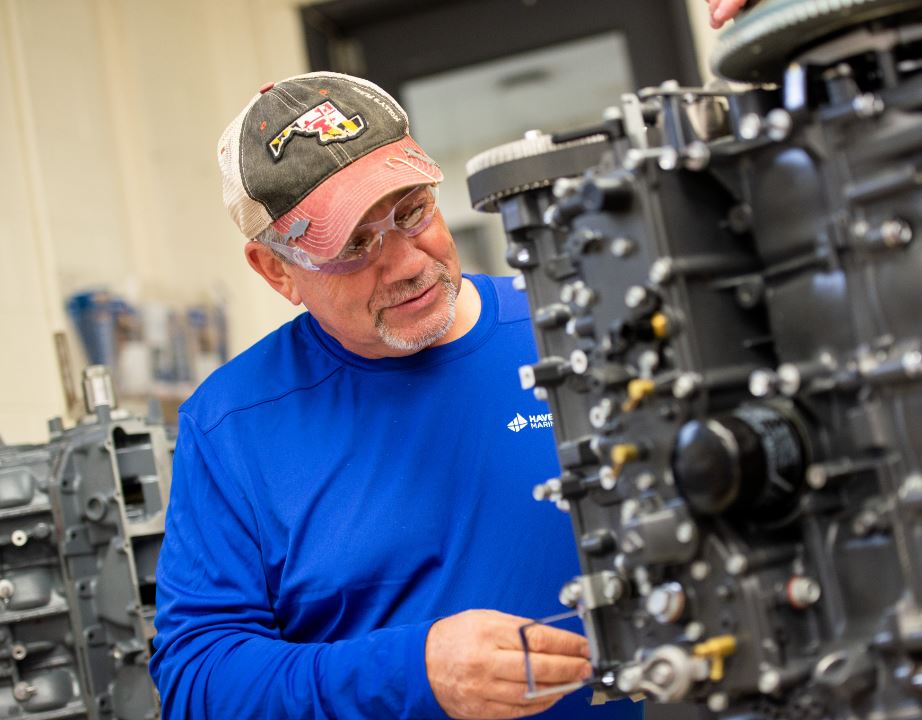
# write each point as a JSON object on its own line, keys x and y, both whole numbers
{"x": 533, "y": 162}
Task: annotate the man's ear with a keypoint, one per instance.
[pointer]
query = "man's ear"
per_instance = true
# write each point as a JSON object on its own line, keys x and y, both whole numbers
{"x": 274, "y": 271}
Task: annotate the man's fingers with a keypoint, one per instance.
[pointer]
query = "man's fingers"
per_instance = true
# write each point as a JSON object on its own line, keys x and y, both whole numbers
{"x": 546, "y": 669}
{"x": 724, "y": 10}
{"x": 554, "y": 641}
{"x": 513, "y": 693}
{"x": 541, "y": 638}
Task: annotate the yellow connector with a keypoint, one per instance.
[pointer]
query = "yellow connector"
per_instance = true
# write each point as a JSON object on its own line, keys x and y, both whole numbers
{"x": 660, "y": 324}
{"x": 621, "y": 455}
{"x": 637, "y": 390}
{"x": 715, "y": 650}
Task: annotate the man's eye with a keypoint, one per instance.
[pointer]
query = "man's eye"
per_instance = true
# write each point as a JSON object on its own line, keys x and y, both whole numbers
{"x": 355, "y": 246}
{"x": 411, "y": 216}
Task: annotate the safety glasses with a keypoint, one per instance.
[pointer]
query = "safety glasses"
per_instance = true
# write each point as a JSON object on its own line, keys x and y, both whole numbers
{"x": 411, "y": 215}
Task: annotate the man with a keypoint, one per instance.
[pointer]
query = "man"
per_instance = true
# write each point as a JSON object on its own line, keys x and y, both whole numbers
{"x": 351, "y": 532}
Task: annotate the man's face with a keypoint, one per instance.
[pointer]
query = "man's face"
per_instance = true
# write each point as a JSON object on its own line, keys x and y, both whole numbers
{"x": 399, "y": 304}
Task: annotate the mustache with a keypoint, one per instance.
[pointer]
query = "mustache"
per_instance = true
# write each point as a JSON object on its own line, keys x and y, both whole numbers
{"x": 409, "y": 289}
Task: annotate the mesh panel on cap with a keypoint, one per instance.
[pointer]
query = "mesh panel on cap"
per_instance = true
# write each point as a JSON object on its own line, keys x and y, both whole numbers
{"x": 249, "y": 215}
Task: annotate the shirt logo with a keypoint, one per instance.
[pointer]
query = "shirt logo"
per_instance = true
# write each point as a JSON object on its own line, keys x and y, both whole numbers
{"x": 535, "y": 422}
{"x": 326, "y": 121}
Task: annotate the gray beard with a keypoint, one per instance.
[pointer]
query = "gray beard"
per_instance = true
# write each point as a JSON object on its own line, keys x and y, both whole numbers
{"x": 429, "y": 330}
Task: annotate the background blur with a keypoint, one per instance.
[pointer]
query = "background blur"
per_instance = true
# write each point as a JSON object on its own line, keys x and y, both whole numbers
{"x": 114, "y": 243}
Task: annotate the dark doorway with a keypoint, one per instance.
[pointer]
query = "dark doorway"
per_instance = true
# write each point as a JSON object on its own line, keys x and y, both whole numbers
{"x": 393, "y": 41}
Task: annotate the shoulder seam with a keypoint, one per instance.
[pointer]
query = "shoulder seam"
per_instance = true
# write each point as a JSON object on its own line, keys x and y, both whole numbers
{"x": 514, "y": 320}
{"x": 207, "y": 429}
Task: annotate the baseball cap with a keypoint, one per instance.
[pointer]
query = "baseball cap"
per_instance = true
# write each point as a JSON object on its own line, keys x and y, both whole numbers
{"x": 311, "y": 154}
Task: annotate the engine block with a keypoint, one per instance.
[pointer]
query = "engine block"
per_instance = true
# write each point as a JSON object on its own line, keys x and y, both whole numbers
{"x": 722, "y": 286}
{"x": 81, "y": 523}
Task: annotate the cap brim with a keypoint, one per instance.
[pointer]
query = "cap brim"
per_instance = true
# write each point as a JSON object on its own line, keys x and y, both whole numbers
{"x": 337, "y": 205}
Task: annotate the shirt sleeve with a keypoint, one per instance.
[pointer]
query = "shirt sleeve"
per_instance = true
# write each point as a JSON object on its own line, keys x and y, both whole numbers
{"x": 219, "y": 652}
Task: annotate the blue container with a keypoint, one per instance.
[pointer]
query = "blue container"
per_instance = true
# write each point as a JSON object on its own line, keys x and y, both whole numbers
{"x": 94, "y": 316}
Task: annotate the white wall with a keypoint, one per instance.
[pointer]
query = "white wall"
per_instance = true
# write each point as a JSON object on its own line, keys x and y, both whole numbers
{"x": 109, "y": 115}
{"x": 29, "y": 296}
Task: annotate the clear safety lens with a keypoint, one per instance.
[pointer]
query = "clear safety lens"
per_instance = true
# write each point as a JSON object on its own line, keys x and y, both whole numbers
{"x": 411, "y": 215}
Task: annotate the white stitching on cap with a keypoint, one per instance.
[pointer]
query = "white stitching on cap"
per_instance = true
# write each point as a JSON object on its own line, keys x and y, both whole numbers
{"x": 345, "y": 152}
{"x": 342, "y": 150}
{"x": 296, "y": 108}
{"x": 292, "y": 98}
{"x": 338, "y": 161}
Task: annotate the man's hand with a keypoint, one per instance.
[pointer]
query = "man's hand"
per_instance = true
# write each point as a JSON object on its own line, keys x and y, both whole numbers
{"x": 723, "y": 10}
{"x": 476, "y": 664}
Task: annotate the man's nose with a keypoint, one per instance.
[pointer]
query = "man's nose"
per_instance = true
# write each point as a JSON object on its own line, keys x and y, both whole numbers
{"x": 401, "y": 258}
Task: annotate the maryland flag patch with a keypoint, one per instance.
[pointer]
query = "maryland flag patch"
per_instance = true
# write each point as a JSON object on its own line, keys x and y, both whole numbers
{"x": 326, "y": 121}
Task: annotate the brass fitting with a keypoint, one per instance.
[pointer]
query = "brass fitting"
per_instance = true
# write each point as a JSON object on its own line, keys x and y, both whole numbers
{"x": 715, "y": 650}
{"x": 623, "y": 454}
{"x": 660, "y": 324}
{"x": 637, "y": 390}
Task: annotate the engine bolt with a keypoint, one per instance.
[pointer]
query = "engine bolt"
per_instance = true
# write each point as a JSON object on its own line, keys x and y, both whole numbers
{"x": 718, "y": 702}
{"x": 585, "y": 296}
{"x": 896, "y": 233}
{"x": 817, "y": 477}
{"x": 23, "y": 691}
{"x": 686, "y": 385}
{"x": 694, "y": 631}
{"x": 645, "y": 481}
{"x": 661, "y": 271}
{"x": 635, "y": 296}
{"x": 622, "y": 247}
{"x": 570, "y": 594}
{"x": 700, "y": 570}
{"x": 769, "y": 681}
{"x": 779, "y": 124}
{"x": 685, "y": 532}
{"x": 666, "y": 603}
{"x": 662, "y": 674}
{"x": 737, "y": 564}
{"x": 579, "y": 361}
{"x": 802, "y": 592}
{"x": 750, "y": 126}
{"x": 607, "y": 478}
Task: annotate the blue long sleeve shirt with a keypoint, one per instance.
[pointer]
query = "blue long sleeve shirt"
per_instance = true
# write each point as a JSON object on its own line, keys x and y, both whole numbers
{"x": 327, "y": 508}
